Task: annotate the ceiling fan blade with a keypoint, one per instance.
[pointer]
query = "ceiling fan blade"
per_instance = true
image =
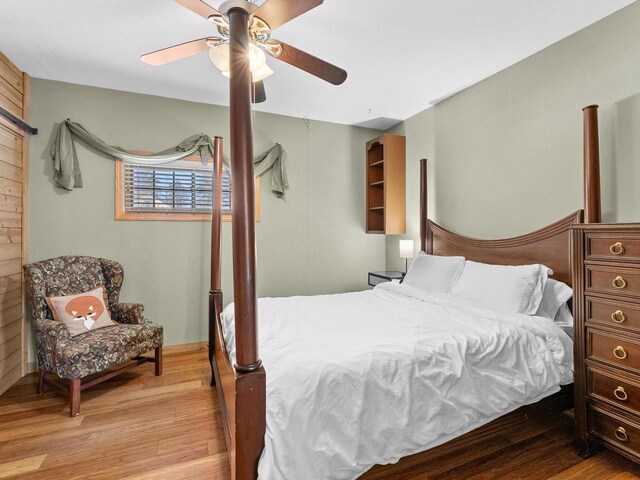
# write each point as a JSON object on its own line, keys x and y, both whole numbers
{"x": 278, "y": 12}
{"x": 311, "y": 64}
{"x": 258, "y": 93}
{"x": 198, "y": 6}
{"x": 177, "y": 52}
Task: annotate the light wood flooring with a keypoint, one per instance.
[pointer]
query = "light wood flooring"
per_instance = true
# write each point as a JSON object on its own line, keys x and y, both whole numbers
{"x": 138, "y": 426}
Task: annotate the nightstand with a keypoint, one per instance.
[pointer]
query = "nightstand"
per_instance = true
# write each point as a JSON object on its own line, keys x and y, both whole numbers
{"x": 389, "y": 276}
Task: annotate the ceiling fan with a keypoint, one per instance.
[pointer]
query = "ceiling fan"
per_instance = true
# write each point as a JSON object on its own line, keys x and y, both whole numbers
{"x": 263, "y": 20}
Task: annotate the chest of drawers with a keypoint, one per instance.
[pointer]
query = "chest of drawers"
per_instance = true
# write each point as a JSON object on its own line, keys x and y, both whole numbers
{"x": 606, "y": 279}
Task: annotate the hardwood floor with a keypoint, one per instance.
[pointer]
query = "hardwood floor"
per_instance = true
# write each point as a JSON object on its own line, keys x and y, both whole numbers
{"x": 138, "y": 426}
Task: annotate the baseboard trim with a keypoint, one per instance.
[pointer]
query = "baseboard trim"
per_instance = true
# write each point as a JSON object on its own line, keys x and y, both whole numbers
{"x": 185, "y": 347}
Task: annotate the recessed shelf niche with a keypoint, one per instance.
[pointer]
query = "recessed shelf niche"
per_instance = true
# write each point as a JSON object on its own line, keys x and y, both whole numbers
{"x": 386, "y": 210}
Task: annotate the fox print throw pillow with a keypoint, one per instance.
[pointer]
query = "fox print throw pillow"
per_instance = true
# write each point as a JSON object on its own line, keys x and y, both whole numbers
{"x": 82, "y": 312}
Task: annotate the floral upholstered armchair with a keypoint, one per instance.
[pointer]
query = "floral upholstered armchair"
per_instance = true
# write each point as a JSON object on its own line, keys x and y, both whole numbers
{"x": 74, "y": 358}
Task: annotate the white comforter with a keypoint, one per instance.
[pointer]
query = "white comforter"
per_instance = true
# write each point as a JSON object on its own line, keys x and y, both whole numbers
{"x": 363, "y": 378}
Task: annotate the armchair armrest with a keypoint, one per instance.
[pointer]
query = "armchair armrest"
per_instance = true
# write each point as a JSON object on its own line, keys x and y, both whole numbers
{"x": 51, "y": 328}
{"x": 130, "y": 313}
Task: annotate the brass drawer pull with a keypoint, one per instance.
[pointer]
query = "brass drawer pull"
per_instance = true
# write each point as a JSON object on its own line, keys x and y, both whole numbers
{"x": 621, "y": 434}
{"x": 620, "y": 353}
{"x": 617, "y": 248}
{"x": 619, "y": 282}
{"x": 620, "y": 394}
{"x": 618, "y": 316}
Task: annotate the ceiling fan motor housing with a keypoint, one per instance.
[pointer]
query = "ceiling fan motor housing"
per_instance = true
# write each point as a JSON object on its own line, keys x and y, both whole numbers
{"x": 248, "y": 7}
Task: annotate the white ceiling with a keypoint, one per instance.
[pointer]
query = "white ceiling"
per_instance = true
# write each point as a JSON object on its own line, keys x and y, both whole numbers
{"x": 402, "y": 55}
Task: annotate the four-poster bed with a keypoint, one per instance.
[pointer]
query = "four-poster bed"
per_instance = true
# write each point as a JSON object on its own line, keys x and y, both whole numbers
{"x": 242, "y": 385}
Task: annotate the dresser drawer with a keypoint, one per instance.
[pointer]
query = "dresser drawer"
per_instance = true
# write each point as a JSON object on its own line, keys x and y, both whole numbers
{"x": 613, "y": 350}
{"x": 612, "y": 280}
{"x": 612, "y": 247}
{"x": 614, "y": 430}
{"x": 612, "y": 313}
{"x": 614, "y": 389}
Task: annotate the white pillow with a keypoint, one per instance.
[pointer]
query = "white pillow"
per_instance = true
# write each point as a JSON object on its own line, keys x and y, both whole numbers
{"x": 564, "y": 319}
{"x": 515, "y": 289}
{"x": 433, "y": 273}
{"x": 554, "y": 296}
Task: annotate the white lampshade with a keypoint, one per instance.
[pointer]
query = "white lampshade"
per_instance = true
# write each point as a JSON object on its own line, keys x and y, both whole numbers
{"x": 406, "y": 248}
{"x": 220, "y": 57}
{"x": 261, "y": 73}
{"x": 257, "y": 61}
{"x": 257, "y": 58}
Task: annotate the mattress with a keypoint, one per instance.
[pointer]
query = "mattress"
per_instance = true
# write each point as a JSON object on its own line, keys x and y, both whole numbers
{"x": 365, "y": 378}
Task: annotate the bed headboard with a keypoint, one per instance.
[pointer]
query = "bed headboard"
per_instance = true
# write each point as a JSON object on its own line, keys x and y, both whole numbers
{"x": 549, "y": 246}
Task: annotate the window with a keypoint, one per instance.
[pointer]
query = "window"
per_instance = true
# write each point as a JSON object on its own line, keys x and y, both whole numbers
{"x": 180, "y": 190}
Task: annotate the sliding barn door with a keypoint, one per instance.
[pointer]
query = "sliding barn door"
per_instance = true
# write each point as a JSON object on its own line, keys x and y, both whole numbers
{"x": 13, "y": 161}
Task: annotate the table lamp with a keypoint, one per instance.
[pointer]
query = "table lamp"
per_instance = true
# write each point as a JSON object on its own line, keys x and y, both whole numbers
{"x": 406, "y": 251}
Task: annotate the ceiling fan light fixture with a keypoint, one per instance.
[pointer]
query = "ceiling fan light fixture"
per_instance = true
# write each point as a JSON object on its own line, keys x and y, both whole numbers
{"x": 256, "y": 76}
{"x": 257, "y": 60}
{"x": 219, "y": 56}
{"x": 261, "y": 73}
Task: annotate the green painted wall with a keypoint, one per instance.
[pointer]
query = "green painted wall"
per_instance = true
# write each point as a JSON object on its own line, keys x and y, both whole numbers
{"x": 506, "y": 154}
{"x": 311, "y": 242}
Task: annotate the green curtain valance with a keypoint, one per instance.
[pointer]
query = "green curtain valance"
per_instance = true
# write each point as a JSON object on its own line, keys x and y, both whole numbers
{"x": 67, "y": 168}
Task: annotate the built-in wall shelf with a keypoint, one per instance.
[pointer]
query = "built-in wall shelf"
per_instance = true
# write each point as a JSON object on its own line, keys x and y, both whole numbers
{"x": 386, "y": 185}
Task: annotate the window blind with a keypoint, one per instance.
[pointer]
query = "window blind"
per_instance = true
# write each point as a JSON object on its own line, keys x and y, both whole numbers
{"x": 170, "y": 188}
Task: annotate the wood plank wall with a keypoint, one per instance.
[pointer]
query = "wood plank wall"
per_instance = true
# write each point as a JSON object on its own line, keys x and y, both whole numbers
{"x": 14, "y": 93}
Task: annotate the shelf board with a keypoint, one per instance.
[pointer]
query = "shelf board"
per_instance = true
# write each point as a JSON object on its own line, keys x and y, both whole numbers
{"x": 375, "y": 231}
{"x": 377, "y": 184}
{"x": 375, "y": 164}
{"x": 376, "y": 208}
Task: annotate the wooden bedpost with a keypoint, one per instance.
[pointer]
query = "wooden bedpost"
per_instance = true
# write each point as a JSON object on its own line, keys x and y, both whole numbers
{"x": 249, "y": 417}
{"x": 215, "y": 289}
{"x": 242, "y": 195}
{"x": 592, "y": 208}
{"x": 425, "y": 233}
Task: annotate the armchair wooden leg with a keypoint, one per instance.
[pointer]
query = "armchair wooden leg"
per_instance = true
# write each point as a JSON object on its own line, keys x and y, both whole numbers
{"x": 74, "y": 396}
{"x": 41, "y": 374}
{"x": 158, "y": 361}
